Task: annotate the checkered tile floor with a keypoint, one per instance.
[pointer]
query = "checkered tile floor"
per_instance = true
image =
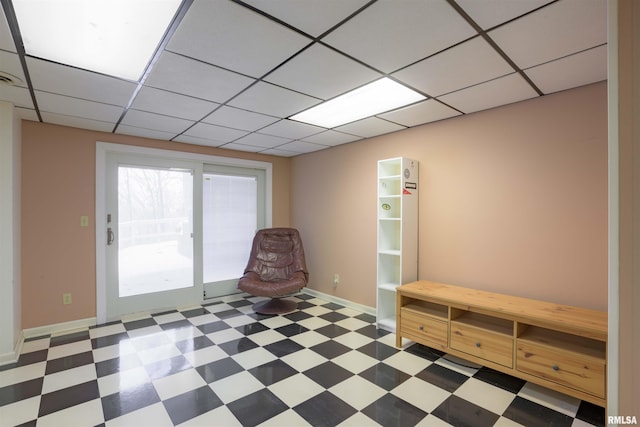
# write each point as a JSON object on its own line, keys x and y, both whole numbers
{"x": 223, "y": 365}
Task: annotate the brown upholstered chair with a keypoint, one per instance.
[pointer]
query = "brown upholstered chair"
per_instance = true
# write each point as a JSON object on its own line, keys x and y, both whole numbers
{"x": 276, "y": 269}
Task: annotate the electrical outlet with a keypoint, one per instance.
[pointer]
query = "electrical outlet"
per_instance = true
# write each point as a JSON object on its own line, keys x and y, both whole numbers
{"x": 66, "y": 299}
{"x": 336, "y": 279}
{"x": 84, "y": 221}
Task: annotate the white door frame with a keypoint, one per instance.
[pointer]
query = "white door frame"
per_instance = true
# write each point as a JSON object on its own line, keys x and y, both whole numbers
{"x": 102, "y": 148}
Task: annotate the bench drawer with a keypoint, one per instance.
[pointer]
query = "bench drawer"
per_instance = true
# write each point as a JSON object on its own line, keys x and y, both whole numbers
{"x": 422, "y": 328}
{"x": 488, "y": 345}
{"x": 562, "y": 367}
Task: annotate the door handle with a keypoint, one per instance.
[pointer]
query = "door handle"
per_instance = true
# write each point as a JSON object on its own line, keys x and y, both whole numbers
{"x": 110, "y": 236}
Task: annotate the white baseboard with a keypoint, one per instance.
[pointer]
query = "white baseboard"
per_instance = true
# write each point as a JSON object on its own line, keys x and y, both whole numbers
{"x": 349, "y": 304}
{"x": 58, "y": 328}
{"x": 12, "y": 356}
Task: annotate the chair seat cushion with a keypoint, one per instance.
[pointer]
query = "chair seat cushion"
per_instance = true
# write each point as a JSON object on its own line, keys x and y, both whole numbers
{"x": 251, "y": 284}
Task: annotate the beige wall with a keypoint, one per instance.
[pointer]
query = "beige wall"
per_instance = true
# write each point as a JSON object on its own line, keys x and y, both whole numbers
{"x": 58, "y": 186}
{"x": 512, "y": 200}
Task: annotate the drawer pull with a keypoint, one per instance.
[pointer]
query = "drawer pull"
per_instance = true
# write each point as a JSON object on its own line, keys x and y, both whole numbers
{"x": 478, "y": 344}
{"x": 421, "y": 327}
{"x": 555, "y": 368}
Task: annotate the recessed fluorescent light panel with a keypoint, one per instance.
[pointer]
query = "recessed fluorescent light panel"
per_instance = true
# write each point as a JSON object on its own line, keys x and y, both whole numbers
{"x": 368, "y": 100}
{"x": 113, "y": 37}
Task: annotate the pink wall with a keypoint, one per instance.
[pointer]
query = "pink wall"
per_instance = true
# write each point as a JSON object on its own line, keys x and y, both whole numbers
{"x": 58, "y": 186}
{"x": 512, "y": 200}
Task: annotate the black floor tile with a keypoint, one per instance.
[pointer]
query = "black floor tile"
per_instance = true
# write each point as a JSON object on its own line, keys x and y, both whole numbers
{"x": 324, "y": 409}
{"x": 591, "y": 413}
{"x": 33, "y": 357}
{"x": 129, "y": 400}
{"x": 239, "y": 303}
{"x": 138, "y": 324}
{"x": 442, "y": 377}
{"x": 251, "y": 328}
{"x": 69, "y": 338}
{"x": 272, "y": 372}
{"x": 291, "y": 329}
{"x": 384, "y": 376}
{"x": 212, "y": 327}
{"x": 378, "y": 350}
{"x": 425, "y": 352}
{"x": 333, "y": 316}
{"x": 367, "y": 318}
{"x": 372, "y": 332}
{"x": 193, "y": 344}
{"x": 498, "y": 379}
{"x": 118, "y": 364}
{"x": 191, "y": 404}
{"x": 166, "y": 367}
{"x": 462, "y": 413}
{"x": 333, "y": 306}
{"x": 227, "y": 313}
{"x": 69, "y": 362}
{"x": 257, "y": 407}
{"x": 20, "y": 391}
{"x": 219, "y": 369}
{"x": 390, "y": 410}
{"x": 328, "y": 374}
{"x": 304, "y": 305}
{"x": 531, "y": 414}
{"x": 200, "y": 311}
{"x": 330, "y": 349}
{"x": 332, "y": 331}
{"x": 238, "y": 346}
{"x": 283, "y": 347}
{"x": 297, "y": 316}
{"x": 177, "y": 324}
{"x": 67, "y": 397}
{"x": 109, "y": 340}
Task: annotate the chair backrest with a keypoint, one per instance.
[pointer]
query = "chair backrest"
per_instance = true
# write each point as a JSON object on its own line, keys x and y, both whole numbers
{"x": 276, "y": 254}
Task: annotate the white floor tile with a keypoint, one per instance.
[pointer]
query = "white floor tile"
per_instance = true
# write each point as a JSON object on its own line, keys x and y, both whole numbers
{"x": 288, "y": 418}
{"x": 353, "y": 340}
{"x": 121, "y": 349}
{"x": 205, "y": 355}
{"x": 220, "y": 416}
{"x": 35, "y": 345}
{"x": 68, "y": 378}
{"x": 296, "y": 389}
{"x": 22, "y": 373}
{"x": 236, "y": 321}
{"x": 309, "y": 338}
{"x": 421, "y": 394}
{"x": 144, "y": 332}
{"x": 352, "y": 324}
{"x": 276, "y": 322}
{"x": 90, "y": 413}
{"x": 432, "y": 421}
{"x": 485, "y": 395}
{"x": 158, "y": 353}
{"x": 104, "y": 331}
{"x": 266, "y": 337}
{"x": 358, "y": 420}
{"x": 407, "y": 362}
{"x": 551, "y": 399}
{"x": 254, "y": 357}
{"x": 153, "y": 415}
{"x": 303, "y": 359}
{"x": 181, "y": 334}
{"x": 313, "y": 323}
{"x": 179, "y": 383}
{"x": 225, "y": 335}
{"x": 121, "y": 381}
{"x": 69, "y": 349}
{"x": 236, "y": 386}
{"x": 355, "y": 361}
{"x": 358, "y": 392}
{"x": 20, "y": 412}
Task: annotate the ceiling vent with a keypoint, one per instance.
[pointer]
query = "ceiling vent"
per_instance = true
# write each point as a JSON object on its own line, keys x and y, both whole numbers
{"x": 9, "y": 79}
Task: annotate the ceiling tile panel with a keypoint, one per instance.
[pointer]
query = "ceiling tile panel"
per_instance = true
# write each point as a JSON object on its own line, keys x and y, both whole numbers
{"x": 264, "y": 141}
{"x": 145, "y": 133}
{"x": 502, "y": 91}
{"x": 279, "y": 152}
{"x": 557, "y": 30}
{"x": 18, "y": 96}
{"x": 142, "y": 119}
{"x": 77, "y": 122}
{"x": 239, "y": 119}
{"x": 10, "y": 63}
{"x": 464, "y": 65}
{"x": 322, "y": 72}
{"x": 215, "y": 133}
{"x": 243, "y": 147}
{"x": 63, "y": 80}
{"x": 188, "y": 139}
{"x": 172, "y": 104}
{"x": 390, "y": 37}
{"x": 194, "y": 78}
{"x": 369, "y": 127}
{"x": 301, "y": 147}
{"x": 68, "y": 106}
{"x": 489, "y": 13}
{"x": 576, "y": 70}
{"x": 291, "y": 129}
{"x": 274, "y": 100}
{"x": 331, "y": 137}
{"x": 226, "y": 34}
{"x": 418, "y": 114}
{"x": 314, "y": 17}
{"x": 28, "y": 114}
{"x": 6, "y": 39}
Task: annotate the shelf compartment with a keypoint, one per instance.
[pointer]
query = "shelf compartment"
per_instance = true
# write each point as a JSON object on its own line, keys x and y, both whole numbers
{"x": 390, "y": 186}
{"x": 389, "y": 269}
{"x": 389, "y": 207}
{"x": 389, "y": 236}
{"x": 390, "y": 167}
{"x": 426, "y": 308}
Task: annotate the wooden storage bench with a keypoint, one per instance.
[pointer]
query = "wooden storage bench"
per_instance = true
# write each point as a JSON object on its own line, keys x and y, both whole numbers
{"x": 561, "y": 347}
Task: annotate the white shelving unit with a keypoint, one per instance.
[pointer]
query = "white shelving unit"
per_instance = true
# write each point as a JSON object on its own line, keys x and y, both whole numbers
{"x": 397, "y": 233}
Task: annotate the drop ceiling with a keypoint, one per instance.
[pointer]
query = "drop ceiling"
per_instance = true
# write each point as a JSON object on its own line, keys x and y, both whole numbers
{"x": 231, "y": 73}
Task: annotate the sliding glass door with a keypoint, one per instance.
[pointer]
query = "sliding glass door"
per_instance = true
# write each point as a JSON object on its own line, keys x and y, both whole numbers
{"x": 177, "y": 231}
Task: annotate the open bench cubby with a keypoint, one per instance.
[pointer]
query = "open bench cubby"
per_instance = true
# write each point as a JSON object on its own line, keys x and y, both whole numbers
{"x": 557, "y": 346}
